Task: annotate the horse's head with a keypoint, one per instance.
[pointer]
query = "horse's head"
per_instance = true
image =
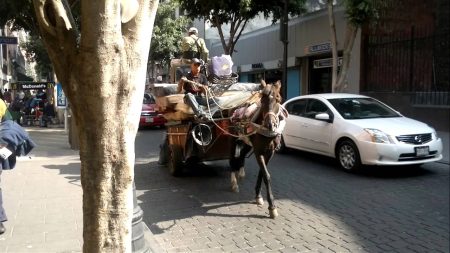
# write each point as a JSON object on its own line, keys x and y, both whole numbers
{"x": 270, "y": 99}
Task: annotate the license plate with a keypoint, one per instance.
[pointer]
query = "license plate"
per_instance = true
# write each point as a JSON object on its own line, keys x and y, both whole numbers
{"x": 148, "y": 119}
{"x": 422, "y": 151}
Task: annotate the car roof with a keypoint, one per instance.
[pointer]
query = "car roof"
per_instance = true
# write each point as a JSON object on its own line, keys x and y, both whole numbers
{"x": 329, "y": 96}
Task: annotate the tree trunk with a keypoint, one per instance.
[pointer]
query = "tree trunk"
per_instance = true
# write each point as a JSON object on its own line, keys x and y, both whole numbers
{"x": 334, "y": 45}
{"x": 221, "y": 35}
{"x": 350, "y": 36}
{"x": 104, "y": 78}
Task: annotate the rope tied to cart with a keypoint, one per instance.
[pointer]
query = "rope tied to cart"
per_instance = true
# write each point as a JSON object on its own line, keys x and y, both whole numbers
{"x": 247, "y": 127}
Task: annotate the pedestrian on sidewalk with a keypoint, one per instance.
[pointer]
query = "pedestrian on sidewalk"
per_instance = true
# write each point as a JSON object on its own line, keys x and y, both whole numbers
{"x": 14, "y": 141}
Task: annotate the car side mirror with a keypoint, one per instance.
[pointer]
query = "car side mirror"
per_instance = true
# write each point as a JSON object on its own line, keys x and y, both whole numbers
{"x": 323, "y": 117}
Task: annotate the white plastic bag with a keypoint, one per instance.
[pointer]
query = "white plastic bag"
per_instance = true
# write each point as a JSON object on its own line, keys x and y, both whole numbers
{"x": 222, "y": 65}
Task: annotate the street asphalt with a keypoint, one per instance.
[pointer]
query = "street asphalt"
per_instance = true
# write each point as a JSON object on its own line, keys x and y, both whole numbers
{"x": 406, "y": 212}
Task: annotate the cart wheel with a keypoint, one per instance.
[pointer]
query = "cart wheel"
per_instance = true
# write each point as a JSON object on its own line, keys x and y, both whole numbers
{"x": 175, "y": 160}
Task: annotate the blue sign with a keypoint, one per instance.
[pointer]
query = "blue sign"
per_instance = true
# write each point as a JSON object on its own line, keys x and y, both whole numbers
{"x": 61, "y": 100}
{"x": 8, "y": 40}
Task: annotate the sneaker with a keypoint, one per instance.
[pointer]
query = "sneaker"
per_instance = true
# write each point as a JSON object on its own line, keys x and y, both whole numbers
{"x": 2, "y": 228}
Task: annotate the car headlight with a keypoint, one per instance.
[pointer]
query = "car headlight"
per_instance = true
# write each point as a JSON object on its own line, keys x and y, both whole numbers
{"x": 434, "y": 135}
{"x": 378, "y": 136}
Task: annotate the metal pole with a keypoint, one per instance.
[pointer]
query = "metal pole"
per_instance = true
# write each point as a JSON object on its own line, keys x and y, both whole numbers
{"x": 285, "y": 41}
{"x": 411, "y": 61}
{"x": 284, "y": 81}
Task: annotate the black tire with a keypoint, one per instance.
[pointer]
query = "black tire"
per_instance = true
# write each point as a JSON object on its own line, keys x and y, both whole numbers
{"x": 347, "y": 155}
{"x": 282, "y": 149}
{"x": 175, "y": 160}
{"x": 192, "y": 162}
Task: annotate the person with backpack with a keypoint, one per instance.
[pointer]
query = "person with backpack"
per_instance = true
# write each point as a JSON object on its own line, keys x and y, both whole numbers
{"x": 193, "y": 47}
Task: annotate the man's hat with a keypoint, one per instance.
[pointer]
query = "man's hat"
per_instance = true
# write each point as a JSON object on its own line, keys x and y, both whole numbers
{"x": 196, "y": 61}
{"x": 193, "y": 30}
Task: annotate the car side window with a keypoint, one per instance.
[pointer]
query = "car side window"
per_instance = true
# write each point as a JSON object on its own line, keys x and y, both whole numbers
{"x": 149, "y": 99}
{"x": 297, "y": 107}
{"x": 315, "y": 107}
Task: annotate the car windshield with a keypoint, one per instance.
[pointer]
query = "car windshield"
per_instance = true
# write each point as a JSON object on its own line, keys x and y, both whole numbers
{"x": 362, "y": 108}
{"x": 148, "y": 99}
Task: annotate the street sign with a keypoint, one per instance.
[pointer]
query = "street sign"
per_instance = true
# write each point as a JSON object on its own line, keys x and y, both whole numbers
{"x": 8, "y": 40}
{"x": 32, "y": 85}
{"x": 318, "y": 48}
{"x": 325, "y": 63}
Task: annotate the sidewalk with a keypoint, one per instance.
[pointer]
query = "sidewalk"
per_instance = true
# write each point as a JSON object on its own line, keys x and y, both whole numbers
{"x": 43, "y": 197}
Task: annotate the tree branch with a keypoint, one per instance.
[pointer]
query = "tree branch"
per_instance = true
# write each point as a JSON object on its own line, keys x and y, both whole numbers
{"x": 350, "y": 36}
{"x": 334, "y": 44}
{"x": 39, "y": 6}
{"x": 222, "y": 38}
{"x": 240, "y": 32}
{"x": 59, "y": 33}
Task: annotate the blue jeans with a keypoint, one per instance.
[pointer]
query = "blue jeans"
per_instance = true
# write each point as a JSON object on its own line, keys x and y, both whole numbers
{"x": 2, "y": 210}
{"x": 194, "y": 101}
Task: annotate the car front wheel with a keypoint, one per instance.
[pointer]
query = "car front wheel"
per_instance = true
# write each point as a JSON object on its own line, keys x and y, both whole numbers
{"x": 348, "y": 155}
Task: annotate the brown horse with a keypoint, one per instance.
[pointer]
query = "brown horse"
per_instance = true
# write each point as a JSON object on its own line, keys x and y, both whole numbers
{"x": 263, "y": 138}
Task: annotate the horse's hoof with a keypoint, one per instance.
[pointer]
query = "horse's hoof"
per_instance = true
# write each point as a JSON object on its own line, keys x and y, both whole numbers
{"x": 241, "y": 173}
{"x": 273, "y": 213}
{"x": 259, "y": 201}
{"x": 234, "y": 182}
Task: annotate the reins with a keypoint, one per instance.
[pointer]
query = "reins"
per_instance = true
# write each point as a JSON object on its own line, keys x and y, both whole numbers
{"x": 259, "y": 128}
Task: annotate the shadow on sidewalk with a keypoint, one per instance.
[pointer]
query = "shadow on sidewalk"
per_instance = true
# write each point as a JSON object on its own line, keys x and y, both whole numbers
{"x": 70, "y": 171}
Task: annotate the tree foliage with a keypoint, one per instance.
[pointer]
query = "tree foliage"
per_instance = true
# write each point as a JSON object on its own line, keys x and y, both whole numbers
{"x": 36, "y": 52}
{"x": 360, "y": 12}
{"x": 167, "y": 32}
{"x": 20, "y": 15}
{"x": 237, "y": 13}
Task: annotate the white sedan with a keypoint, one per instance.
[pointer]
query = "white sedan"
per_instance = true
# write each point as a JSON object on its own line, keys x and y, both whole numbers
{"x": 357, "y": 130}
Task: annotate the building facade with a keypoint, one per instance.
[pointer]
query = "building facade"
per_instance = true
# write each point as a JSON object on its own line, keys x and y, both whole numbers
{"x": 403, "y": 59}
{"x": 259, "y": 54}
{"x": 14, "y": 66}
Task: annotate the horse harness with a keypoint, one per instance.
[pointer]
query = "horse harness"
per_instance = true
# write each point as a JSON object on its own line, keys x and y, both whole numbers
{"x": 245, "y": 128}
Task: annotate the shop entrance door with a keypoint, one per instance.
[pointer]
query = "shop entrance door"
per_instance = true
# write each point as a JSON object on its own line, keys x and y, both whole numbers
{"x": 319, "y": 76}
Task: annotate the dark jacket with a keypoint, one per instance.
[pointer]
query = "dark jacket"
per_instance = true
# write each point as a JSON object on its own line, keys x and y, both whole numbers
{"x": 17, "y": 140}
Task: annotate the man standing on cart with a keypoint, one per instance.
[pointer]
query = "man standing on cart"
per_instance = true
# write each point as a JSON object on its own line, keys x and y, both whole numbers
{"x": 192, "y": 46}
{"x": 195, "y": 86}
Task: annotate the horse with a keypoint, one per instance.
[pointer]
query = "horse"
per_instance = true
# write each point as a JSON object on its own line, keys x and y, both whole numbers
{"x": 264, "y": 138}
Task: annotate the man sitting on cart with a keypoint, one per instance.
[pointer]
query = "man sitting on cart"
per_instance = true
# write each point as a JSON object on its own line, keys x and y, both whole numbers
{"x": 193, "y": 92}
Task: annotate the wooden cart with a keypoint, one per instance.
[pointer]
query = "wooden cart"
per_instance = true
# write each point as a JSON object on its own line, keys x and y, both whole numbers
{"x": 193, "y": 142}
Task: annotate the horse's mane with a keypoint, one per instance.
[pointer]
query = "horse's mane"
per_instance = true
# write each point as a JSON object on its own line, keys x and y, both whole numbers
{"x": 255, "y": 98}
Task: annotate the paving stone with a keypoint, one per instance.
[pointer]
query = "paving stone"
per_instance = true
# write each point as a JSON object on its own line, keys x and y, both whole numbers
{"x": 321, "y": 209}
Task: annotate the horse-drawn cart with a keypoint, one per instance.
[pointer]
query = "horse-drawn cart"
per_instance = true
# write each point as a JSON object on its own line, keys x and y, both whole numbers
{"x": 191, "y": 142}
{"x": 247, "y": 126}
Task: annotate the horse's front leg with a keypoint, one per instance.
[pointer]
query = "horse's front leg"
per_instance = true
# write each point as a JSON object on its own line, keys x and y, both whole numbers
{"x": 262, "y": 162}
{"x": 237, "y": 162}
{"x": 259, "y": 198}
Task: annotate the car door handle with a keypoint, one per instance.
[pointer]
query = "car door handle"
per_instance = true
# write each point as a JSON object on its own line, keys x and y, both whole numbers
{"x": 304, "y": 125}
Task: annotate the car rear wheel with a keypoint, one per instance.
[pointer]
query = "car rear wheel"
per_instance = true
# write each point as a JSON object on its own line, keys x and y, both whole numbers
{"x": 348, "y": 155}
